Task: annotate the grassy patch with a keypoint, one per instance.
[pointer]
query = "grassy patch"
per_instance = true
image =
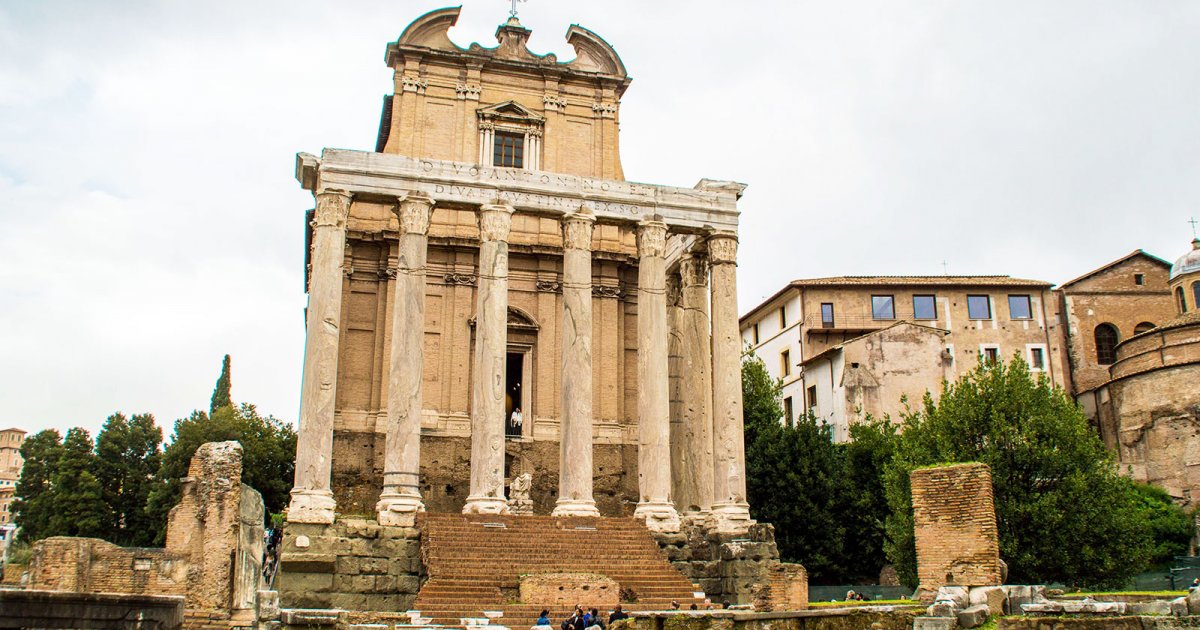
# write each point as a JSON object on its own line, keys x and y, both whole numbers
{"x": 1171, "y": 594}
{"x": 877, "y": 602}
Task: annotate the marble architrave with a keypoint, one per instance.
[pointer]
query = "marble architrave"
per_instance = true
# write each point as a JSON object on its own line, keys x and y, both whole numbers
{"x": 401, "y": 497}
{"x": 491, "y": 338}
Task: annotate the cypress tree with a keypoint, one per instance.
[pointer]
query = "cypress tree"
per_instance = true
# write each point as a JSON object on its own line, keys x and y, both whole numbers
{"x": 128, "y": 457}
{"x": 35, "y": 502}
{"x": 220, "y": 397}
{"x": 79, "y": 507}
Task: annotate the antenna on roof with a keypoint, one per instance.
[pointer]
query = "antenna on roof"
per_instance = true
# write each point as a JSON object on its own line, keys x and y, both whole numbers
{"x": 512, "y": 13}
{"x": 945, "y": 268}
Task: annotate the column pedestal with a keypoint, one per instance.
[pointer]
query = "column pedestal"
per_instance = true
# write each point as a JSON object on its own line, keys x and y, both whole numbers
{"x": 488, "y": 373}
{"x": 311, "y": 499}
{"x": 400, "y": 500}
{"x": 575, "y": 444}
{"x": 654, "y": 413}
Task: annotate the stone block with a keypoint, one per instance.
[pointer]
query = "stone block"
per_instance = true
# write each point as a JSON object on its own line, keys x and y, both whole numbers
{"x": 1193, "y": 601}
{"x": 942, "y": 609}
{"x": 268, "y": 605}
{"x": 1179, "y": 606}
{"x": 959, "y": 595}
{"x": 934, "y": 623}
{"x": 373, "y": 566}
{"x": 309, "y": 616}
{"x": 347, "y": 565}
{"x": 401, "y": 566}
{"x": 305, "y": 582}
{"x": 567, "y": 589}
{"x": 991, "y": 596}
{"x": 973, "y": 616}
{"x": 1153, "y": 607}
{"x": 308, "y": 563}
{"x": 408, "y": 584}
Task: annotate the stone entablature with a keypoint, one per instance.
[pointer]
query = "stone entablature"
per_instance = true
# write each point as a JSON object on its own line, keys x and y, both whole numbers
{"x": 711, "y": 205}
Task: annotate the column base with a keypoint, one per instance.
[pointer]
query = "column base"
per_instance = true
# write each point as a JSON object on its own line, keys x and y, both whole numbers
{"x": 485, "y": 505}
{"x": 311, "y": 506}
{"x": 660, "y": 516}
{"x": 732, "y": 518}
{"x": 575, "y": 507}
{"x": 399, "y": 509}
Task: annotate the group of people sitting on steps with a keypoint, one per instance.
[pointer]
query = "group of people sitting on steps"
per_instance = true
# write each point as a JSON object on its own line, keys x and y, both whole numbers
{"x": 581, "y": 619}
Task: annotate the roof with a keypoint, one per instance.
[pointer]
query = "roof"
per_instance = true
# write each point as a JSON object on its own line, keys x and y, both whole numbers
{"x": 898, "y": 281}
{"x": 1134, "y": 254}
{"x": 838, "y": 347}
{"x": 1188, "y": 262}
{"x": 11, "y": 429}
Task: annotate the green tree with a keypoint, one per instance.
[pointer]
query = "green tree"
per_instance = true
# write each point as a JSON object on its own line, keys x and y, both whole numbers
{"x": 1064, "y": 512}
{"x": 79, "y": 507}
{"x": 128, "y": 458}
{"x": 863, "y": 507}
{"x": 34, "y": 502}
{"x": 1171, "y": 527}
{"x": 268, "y": 457}
{"x": 220, "y": 396}
{"x": 792, "y": 477}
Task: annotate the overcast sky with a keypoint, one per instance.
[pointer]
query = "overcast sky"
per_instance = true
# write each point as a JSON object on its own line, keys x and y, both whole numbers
{"x": 150, "y": 222}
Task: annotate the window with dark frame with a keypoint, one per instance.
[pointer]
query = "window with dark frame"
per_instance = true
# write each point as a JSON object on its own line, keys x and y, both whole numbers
{"x": 979, "y": 307}
{"x": 924, "y": 307}
{"x": 783, "y": 317}
{"x": 1106, "y": 344}
{"x": 785, "y": 362}
{"x": 756, "y": 334}
{"x": 1196, "y": 294}
{"x": 509, "y": 150}
{"x": 787, "y": 411}
{"x": 827, "y": 315}
{"x": 1139, "y": 279}
{"x": 1143, "y": 327}
{"x": 1182, "y": 301}
{"x": 883, "y": 307}
{"x": 811, "y": 395}
{"x": 1037, "y": 359}
{"x": 1019, "y": 307}
{"x": 991, "y": 355}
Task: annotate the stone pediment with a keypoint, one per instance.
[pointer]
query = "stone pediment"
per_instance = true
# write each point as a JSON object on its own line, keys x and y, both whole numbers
{"x": 509, "y": 111}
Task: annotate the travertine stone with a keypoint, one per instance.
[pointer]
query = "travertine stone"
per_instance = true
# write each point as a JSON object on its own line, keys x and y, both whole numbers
{"x": 487, "y": 395}
{"x": 312, "y": 500}
{"x": 575, "y": 446}
{"x": 696, "y": 486}
{"x": 401, "y": 497}
{"x": 654, "y": 421}
{"x": 729, "y": 507}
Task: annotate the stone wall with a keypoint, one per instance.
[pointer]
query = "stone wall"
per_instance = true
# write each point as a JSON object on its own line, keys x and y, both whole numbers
{"x": 91, "y": 565}
{"x": 354, "y": 564}
{"x": 567, "y": 589}
{"x": 728, "y": 567}
{"x": 955, "y": 524}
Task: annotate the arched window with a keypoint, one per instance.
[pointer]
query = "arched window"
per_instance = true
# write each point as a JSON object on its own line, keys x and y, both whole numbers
{"x": 1106, "y": 344}
{"x": 1196, "y": 294}
{"x": 1179, "y": 298}
{"x": 1143, "y": 327}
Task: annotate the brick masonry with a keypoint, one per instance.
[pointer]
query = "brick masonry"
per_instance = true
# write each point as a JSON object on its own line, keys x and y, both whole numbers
{"x": 955, "y": 525}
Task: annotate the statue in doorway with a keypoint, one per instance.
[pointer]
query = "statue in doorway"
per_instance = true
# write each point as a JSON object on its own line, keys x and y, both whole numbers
{"x": 519, "y": 501}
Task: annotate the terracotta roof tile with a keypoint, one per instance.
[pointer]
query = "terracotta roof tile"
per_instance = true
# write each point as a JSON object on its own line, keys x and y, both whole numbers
{"x": 946, "y": 281}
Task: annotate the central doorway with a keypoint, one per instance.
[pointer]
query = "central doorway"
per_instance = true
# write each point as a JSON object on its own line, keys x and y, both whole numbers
{"x": 515, "y": 414}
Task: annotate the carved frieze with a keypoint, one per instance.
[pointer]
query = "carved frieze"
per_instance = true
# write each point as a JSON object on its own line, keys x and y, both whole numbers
{"x": 652, "y": 239}
{"x": 554, "y": 103}
{"x": 603, "y": 291}
{"x": 387, "y": 273}
{"x": 333, "y": 207}
{"x": 605, "y": 110}
{"x": 414, "y": 211}
{"x": 722, "y": 247}
{"x": 495, "y": 220}
{"x": 462, "y": 279}
{"x": 548, "y": 286}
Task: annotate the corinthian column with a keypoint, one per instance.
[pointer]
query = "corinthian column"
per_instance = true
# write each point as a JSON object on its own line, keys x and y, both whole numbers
{"x": 312, "y": 500}
{"x": 696, "y": 395}
{"x": 575, "y": 441}
{"x": 487, "y": 394}
{"x": 401, "y": 497}
{"x": 654, "y": 411}
{"x": 729, "y": 508}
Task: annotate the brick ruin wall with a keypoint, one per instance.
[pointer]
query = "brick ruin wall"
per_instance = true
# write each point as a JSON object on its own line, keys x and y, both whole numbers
{"x": 954, "y": 519}
{"x": 90, "y": 565}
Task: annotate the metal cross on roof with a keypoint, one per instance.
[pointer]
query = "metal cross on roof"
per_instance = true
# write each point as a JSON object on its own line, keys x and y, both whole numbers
{"x": 1193, "y": 222}
{"x": 513, "y": 12}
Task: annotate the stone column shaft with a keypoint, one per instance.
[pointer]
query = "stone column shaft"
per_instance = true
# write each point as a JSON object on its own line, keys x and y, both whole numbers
{"x": 312, "y": 500}
{"x": 575, "y": 443}
{"x": 401, "y": 497}
{"x": 729, "y": 507}
{"x": 488, "y": 373}
{"x": 654, "y": 414}
{"x": 696, "y": 384}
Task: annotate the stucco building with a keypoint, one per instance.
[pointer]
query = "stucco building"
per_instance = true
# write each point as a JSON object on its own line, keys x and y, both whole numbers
{"x": 1148, "y": 411}
{"x": 852, "y": 345}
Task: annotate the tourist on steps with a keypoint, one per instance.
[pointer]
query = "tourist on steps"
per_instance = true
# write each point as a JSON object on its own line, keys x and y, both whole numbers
{"x": 593, "y": 620}
{"x": 544, "y": 618}
{"x": 617, "y": 615}
{"x": 575, "y": 621}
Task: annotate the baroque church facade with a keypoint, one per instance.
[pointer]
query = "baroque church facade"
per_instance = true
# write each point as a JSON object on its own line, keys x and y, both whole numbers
{"x": 489, "y": 297}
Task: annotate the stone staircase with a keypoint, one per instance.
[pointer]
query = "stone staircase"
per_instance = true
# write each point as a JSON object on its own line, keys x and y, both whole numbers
{"x": 474, "y": 563}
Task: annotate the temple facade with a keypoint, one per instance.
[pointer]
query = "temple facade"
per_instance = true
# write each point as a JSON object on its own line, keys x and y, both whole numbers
{"x": 488, "y": 297}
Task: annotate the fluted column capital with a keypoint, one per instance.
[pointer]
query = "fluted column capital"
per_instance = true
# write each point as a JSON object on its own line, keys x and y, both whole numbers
{"x": 414, "y": 211}
{"x": 495, "y": 221}
{"x": 333, "y": 208}
{"x": 652, "y": 239}
{"x": 577, "y": 229}
{"x": 722, "y": 247}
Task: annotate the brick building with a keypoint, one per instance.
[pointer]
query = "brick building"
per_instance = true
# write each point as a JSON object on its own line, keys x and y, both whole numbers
{"x": 10, "y": 471}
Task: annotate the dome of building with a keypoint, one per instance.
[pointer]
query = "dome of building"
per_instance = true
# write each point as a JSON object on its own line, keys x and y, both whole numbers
{"x": 1189, "y": 262}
